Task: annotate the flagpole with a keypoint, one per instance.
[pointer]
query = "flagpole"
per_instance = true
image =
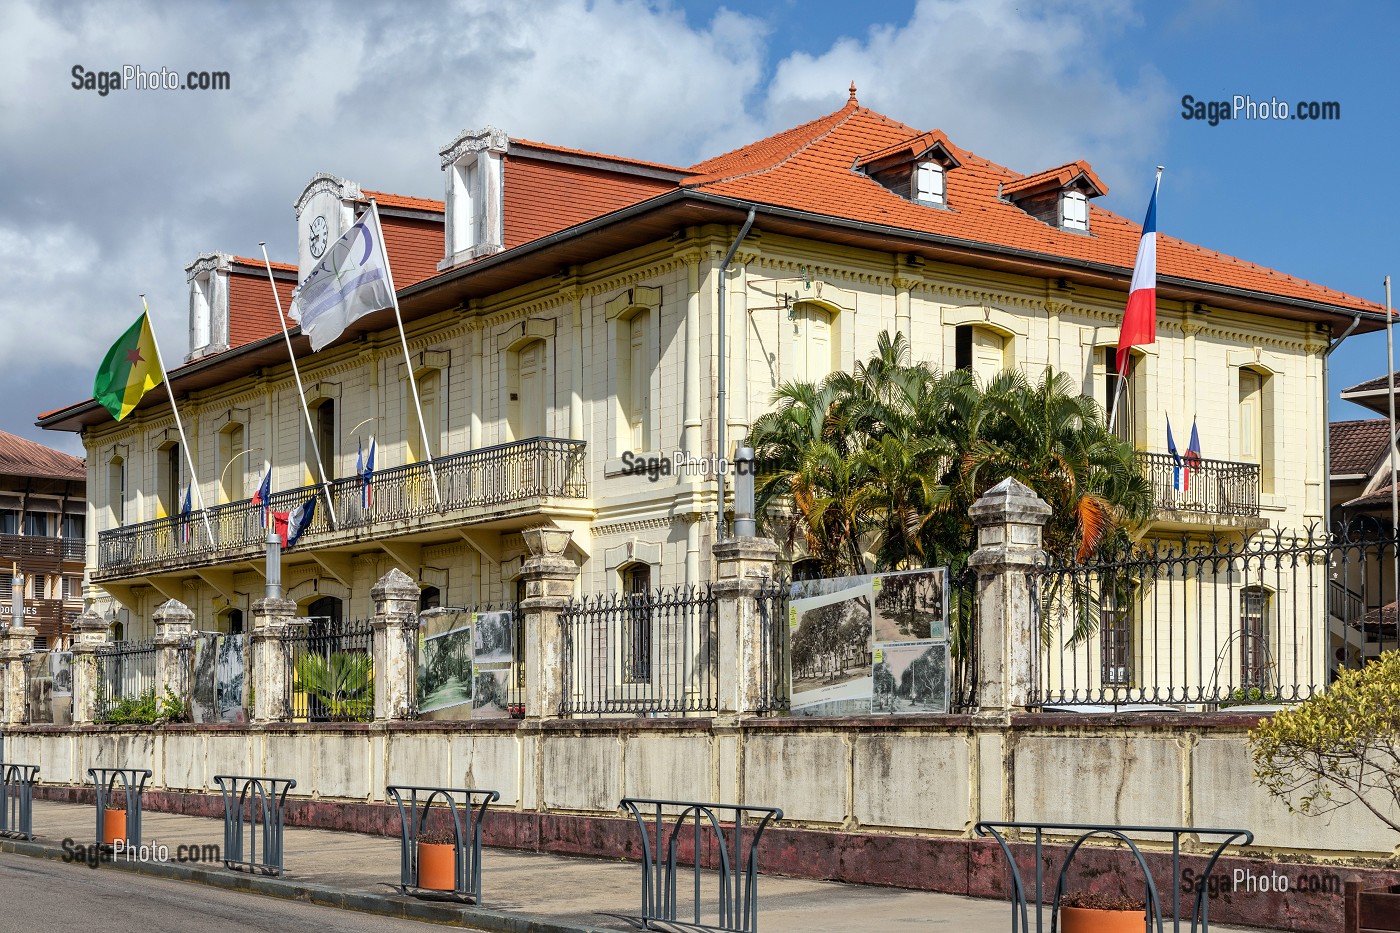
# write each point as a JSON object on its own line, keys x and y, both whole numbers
{"x": 301, "y": 393}
{"x": 179, "y": 425}
{"x": 1390, "y": 382}
{"x": 408, "y": 361}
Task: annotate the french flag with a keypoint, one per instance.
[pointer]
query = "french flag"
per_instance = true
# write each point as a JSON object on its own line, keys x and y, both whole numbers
{"x": 1140, "y": 318}
{"x": 264, "y": 492}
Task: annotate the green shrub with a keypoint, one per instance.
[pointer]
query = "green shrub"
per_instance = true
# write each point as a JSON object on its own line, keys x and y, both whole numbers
{"x": 147, "y": 709}
{"x": 1338, "y": 747}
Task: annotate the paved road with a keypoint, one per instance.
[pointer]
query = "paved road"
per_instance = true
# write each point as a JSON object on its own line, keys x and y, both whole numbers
{"x": 41, "y": 895}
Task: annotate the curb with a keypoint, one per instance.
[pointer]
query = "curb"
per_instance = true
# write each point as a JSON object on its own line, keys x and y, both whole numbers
{"x": 384, "y": 905}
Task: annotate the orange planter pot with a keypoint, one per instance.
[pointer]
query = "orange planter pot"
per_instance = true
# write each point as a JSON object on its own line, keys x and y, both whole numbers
{"x": 437, "y": 866}
{"x": 1084, "y": 920}
{"x": 113, "y": 826}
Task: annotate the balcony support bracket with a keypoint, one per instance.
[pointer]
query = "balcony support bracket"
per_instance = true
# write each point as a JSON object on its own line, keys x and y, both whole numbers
{"x": 407, "y": 555}
{"x": 220, "y": 578}
{"x": 337, "y": 565}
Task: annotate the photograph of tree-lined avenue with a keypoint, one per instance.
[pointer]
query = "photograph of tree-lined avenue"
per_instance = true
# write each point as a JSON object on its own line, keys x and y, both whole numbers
{"x": 830, "y": 646}
{"x": 909, "y": 606}
{"x": 911, "y": 679}
{"x": 446, "y": 672}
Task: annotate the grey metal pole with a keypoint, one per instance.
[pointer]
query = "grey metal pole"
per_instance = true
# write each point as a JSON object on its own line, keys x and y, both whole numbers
{"x": 16, "y": 597}
{"x": 274, "y": 566}
{"x": 723, "y": 356}
{"x": 744, "y": 524}
{"x": 1390, "y": 396}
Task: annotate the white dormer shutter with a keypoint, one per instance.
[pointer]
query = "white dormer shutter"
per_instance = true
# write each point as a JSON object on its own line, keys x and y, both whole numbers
{"x": 928, "y": 182}
{"x": 1076, "y": 210}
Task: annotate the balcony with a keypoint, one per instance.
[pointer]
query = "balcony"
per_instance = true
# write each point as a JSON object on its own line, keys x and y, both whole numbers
{"x": 517, "y": 479}
{"x": 39, "y": 551}
{"x": 1212, "y": 492}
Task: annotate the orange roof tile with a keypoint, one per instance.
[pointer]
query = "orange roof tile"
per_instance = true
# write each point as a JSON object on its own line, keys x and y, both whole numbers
{"x": 258, "y": 263}
{"x": 913, "y": 147}
{"x": 810, "y": 168}
{"x": 1356, "y": 446}
{"x": 532, "y": 144}
{"x": 386, "y": 199}
{"x": 1058, "y": 177}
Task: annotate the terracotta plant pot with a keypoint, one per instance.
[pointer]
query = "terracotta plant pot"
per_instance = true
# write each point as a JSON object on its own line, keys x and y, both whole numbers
{"x": 113, "y": 826}
{"x": 1084, "y": 920}
{"x": 437, "y": 866}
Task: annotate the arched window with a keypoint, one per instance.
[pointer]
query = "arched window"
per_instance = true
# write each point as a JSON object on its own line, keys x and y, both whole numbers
{"x": 1255, "y": 423}
{"x": 429, "y": 598}
{"x": 232, "y": 447}
{"x": 809, "y": 568}
{"x": 981, "y": 350}
{"x": 430, "y": 400}
{"x": 814, "y": 341}
{"x": 526, "y": 398}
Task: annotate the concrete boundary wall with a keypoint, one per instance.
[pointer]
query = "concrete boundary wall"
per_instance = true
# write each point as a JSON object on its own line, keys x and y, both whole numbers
{"x": 929, "y": 776}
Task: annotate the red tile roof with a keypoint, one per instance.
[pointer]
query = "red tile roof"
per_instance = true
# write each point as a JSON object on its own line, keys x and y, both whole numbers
{"x": 911, "y": 148}
{"x": 1056, "y": 177}
{"x": 1381, "y": 497}
{"x": 584, "y": 153}
{"x": 810, "y": 168}
{"x": 1357, "y": 446}
{"x": 385, "y": 199}
{"x": 258, "y": 264}
{"x": 20, "y": 457}
{"x": 1372, "y": 385}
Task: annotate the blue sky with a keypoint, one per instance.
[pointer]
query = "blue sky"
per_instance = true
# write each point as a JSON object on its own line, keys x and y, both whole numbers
{"x": 110, "y": 196}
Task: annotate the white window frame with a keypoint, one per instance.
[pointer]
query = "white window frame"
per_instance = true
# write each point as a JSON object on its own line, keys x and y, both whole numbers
{"x": 1074, "y": 211}
{"x": 930, "y": 183}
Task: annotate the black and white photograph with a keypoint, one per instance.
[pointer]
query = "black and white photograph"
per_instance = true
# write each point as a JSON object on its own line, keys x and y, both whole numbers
{"x": 911, "y": 678}
{"x": 830, "y": 638}
{"x": 493, "y": 636}
{"x": 909, "y": 606}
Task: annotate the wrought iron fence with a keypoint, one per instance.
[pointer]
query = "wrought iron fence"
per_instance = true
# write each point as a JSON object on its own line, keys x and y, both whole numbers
{"x": 538, "y": 467}
{"x": 1214, "y": 622}
{"x": 775, "y": 694}
{"x": 639, "y": 653}
{"x": 962, "y": 641}
{"x": 1217, "y": 487}
{"x": 126, "y": 671}
{"x": 331, "y": 667}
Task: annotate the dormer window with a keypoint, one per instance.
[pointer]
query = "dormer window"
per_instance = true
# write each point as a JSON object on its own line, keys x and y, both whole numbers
{"x": 1074, "y": 211}
{"x": 1058, "y": 197}
{"x": 915, "y": 169}
{"x": 928, "y": 183}
{"x": 474, "y": 165}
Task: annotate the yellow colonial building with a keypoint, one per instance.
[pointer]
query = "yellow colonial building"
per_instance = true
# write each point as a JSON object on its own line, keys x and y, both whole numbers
{"x": 562, "y": 311}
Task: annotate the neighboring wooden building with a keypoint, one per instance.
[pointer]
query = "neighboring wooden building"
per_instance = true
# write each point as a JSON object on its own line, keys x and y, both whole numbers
{"x": 561, "y": 310}
{"x": 43, "y": 515}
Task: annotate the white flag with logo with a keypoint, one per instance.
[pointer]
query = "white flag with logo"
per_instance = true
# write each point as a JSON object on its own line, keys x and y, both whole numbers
{"x": 350, "y": 281}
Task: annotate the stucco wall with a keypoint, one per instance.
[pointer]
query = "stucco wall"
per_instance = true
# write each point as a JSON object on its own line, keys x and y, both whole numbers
{"x": 933, "y": 776}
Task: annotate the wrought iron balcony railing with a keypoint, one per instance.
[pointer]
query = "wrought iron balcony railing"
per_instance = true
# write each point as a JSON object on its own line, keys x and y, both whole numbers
{"x": 493, "y": 476}
{"x": 1212, "y": 487}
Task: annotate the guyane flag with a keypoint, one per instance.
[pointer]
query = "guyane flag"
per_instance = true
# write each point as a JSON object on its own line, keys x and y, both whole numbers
{"x": 128, "y": 371}
{"x": 350, "y": 281}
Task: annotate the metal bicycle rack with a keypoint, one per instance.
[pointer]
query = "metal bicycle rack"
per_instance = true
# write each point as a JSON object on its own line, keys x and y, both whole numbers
{"x": 737, "y": 857}
{"x": 132, "y": 782}
{"x": 254, "y": 804}
{"x": 17, "y": 800}
{"x": 463, "y": 810}
{"x": 1021, "y": 906}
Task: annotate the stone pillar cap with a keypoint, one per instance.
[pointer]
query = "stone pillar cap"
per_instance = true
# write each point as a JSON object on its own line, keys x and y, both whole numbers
{"x": 395, "y": 585}
{"x": 172, "y": 609}
{"x": 1009, "y": 501}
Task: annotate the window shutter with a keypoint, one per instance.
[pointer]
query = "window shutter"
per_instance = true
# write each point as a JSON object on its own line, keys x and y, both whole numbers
{"x": 1076, "y": 211}
{"x": 928, "y": 184}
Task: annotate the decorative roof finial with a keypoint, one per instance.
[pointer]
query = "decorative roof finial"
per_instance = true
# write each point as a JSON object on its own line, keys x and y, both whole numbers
{"x": 853, "y": 92}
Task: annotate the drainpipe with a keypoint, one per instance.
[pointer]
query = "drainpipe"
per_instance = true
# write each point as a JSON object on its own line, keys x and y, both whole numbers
{"x": 1332, "y": 664}
{"x": 723, "y": 356}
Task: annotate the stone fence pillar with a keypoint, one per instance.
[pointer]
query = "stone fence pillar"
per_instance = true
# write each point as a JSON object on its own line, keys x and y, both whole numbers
{"x": 90, "y": 632}
{"x": 1009, "y": 519}
{"x": 744, "y": 566}
{"x": 549, "y": 586}
{"x": 174, "y": 651}
{"x": 270, "y": 678}
{"x": 16, "y": 644}
{"x": 395, "y": 627}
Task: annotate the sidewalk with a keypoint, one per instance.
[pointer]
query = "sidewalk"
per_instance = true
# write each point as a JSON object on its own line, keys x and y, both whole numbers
{"x": 521, "y": 891}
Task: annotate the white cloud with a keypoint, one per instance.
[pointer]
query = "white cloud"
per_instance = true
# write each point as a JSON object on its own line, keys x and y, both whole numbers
{"x": 110, "y": 196}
